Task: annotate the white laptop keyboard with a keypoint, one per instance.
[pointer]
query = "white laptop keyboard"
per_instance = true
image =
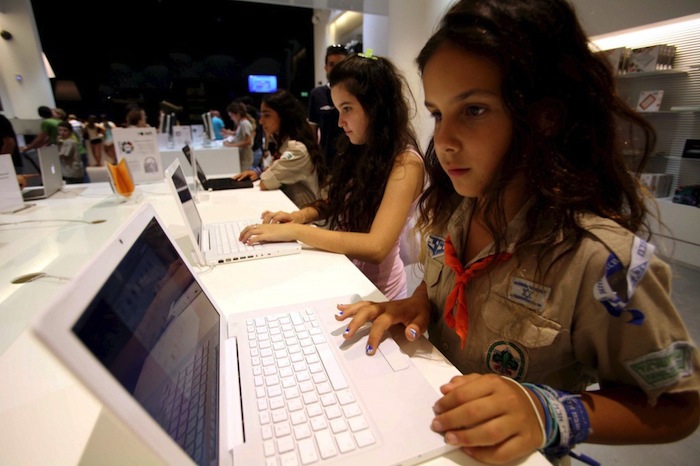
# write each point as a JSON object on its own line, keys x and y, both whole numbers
{"x": 225, "y": 237}
{"x": 307, "y": 411}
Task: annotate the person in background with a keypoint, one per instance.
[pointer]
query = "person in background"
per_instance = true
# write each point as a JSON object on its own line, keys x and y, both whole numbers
{"x": 69, "y": 151}
{"x": 108, "y": 139}
{"x": 258, "y": 133}
{"x": 243, "y": 135}
{"x": 136, "y": 118}
{"x": 296, "y": 165}
{"x": 322, "y": 114}
{"x": 59, "y": 114}
{"x": 94, "y": 135}
{"x": 376, "y": 180}
{"x": 217, "y": 124}
{"x": 536, "y": 284}
{"x": 48, "y": 132}
{"x": 8, "y": 143}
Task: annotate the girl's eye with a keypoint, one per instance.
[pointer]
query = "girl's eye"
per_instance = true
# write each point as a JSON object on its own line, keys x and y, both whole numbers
{"x": 437, "y": 116}
{"x": 475, "y": 111}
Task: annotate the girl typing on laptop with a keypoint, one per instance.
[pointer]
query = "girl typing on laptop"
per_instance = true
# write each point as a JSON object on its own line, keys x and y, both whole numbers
{"x": 536, "y": 285}
{"x": 297, "y": 166}
{"x": 377, "y": 176}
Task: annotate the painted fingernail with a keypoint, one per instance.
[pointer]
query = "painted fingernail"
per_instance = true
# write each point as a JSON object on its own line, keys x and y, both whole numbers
{"x": 340, "y": 313}
{"x": 369, "y": 349}
{"x": 413, "y": 332}
{"x": 347, "y": 330}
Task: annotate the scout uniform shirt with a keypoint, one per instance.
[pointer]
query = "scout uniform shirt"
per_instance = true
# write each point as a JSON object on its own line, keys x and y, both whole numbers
{"x": 294, "y": 173}
{"x": 602, "y": 312}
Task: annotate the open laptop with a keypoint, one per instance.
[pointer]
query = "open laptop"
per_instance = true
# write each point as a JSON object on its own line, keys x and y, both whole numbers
{"x": 217, "y": 243}
{"x": 141, "y": 331}
{"x": 51, "y": 175}
{"x": 214, "y": 184}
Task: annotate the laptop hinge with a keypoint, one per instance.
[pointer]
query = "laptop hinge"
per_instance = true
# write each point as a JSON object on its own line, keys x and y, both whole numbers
{"x": 235, "y": 435}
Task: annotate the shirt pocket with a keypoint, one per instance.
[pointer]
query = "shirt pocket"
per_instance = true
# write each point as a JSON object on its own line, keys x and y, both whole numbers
{"x": 516, "y": 322}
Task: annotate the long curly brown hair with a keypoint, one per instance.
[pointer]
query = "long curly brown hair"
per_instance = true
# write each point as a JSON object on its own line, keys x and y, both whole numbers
{"x": 567, "y": 117}
{"x": 360, "y": 172}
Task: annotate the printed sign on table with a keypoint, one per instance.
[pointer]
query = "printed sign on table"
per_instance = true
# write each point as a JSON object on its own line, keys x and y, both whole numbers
{"x": 139, "y": 147}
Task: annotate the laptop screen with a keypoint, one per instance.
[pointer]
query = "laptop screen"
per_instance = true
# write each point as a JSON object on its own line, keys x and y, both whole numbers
{"x": 185, "y": 195}
{"x": 200, "y": 173}
{"x": 151, "y": 326}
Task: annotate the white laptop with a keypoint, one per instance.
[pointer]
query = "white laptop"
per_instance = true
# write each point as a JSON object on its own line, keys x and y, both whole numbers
{"x": 270, "y": 387}
{"x": 51, "y": 175}
{"x": 217, "y": 243}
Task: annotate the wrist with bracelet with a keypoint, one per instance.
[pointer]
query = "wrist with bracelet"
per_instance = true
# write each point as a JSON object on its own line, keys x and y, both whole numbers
{"x": 567, "y": 423}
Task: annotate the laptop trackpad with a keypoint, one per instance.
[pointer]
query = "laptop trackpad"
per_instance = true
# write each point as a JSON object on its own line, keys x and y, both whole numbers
{"x": 388, "y": 350}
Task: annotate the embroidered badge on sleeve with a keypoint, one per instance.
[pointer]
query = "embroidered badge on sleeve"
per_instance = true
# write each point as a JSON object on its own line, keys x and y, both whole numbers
{"x": 664, "y": 367}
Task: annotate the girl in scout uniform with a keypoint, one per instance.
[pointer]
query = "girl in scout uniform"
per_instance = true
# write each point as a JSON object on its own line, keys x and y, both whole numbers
{"x": 376, "y": 179}
{"x": 538, "y": 278}
{"x": 297, "y": 166}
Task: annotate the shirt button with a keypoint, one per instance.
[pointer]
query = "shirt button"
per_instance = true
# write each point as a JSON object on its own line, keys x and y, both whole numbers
{"x": 445, "y": 346}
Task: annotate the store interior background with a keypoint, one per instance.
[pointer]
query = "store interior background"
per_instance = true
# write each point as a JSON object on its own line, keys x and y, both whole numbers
{"x": 199, "y": 54}
{"x": 145, "y": 33}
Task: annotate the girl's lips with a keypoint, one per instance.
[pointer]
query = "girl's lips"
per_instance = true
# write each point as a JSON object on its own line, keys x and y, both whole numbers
{"x": 456, "y": 171}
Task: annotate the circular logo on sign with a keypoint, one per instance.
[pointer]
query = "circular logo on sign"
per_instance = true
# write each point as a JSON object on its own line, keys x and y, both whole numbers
{"x": 506, "y": 358}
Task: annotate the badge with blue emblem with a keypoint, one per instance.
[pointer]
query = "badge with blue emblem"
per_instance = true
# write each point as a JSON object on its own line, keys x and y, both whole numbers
{"x": 436, "y": 246}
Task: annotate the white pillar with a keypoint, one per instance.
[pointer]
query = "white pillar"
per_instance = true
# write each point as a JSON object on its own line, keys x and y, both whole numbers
{"x": 24, "y": 84}
{"x": 411, "y": 23}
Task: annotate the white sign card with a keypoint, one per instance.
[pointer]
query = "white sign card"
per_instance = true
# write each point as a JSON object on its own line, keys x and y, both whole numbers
{"x": 10, "y": 195}
{"x": 139, "y": 146}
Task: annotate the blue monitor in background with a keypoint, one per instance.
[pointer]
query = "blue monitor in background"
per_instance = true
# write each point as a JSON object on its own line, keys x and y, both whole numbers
{"x": 262, "y": 83}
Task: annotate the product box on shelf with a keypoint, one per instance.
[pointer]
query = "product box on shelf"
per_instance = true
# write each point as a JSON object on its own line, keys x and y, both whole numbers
{"x": 650, "y": 101}
{"x": 658, "y": 184}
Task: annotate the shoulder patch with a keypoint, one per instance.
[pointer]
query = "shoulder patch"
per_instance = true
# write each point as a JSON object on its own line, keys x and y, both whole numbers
{"x": 617, "y": 285}
{"x": 506, "y": 358}
{"x": 664, "y": 367}
{"x": 436, "y": 246}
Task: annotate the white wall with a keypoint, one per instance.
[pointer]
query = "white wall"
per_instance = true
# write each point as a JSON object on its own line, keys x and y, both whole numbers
{"x": 22, "y": 56}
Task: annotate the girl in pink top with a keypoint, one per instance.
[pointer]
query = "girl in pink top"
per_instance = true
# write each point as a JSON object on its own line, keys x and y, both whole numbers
{"x": 376, "y": 179}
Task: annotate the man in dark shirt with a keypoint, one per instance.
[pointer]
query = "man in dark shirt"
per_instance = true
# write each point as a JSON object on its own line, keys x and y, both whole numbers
{"x": 323, "y": 116}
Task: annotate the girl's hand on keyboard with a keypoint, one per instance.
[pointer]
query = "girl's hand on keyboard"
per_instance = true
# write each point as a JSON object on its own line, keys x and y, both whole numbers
{"x": 413, "y": 312}
{"x": 277, "y": 217}
{"x": 268, "y": 233}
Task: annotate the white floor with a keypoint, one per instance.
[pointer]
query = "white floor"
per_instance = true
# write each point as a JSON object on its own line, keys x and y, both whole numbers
{"x": 686, "y": 296}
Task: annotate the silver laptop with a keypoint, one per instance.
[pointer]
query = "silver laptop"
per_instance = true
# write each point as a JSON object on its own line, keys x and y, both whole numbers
{"x": 217, "y": 243}
{"x": 51, "y": 175}
{"x": 270, "y": 387}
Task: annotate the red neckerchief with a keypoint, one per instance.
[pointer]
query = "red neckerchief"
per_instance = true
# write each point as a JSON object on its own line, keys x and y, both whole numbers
{"x": 461, "y": 279}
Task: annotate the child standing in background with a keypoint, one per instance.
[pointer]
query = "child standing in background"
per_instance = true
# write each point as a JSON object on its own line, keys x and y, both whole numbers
{"x": 536, "y": 285}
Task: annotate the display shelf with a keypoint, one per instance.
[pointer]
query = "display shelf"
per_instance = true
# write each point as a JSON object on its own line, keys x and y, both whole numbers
{"x": 657, "y": 73}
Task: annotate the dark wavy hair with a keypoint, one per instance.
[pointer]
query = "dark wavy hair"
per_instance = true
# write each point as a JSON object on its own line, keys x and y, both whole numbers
{"x": 294, "y": 126}
{"x": 360, "y": 173}
{"x": 568, "y": 122}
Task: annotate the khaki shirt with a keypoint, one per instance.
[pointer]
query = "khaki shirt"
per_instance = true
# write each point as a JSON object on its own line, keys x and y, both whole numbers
{"x": 552, "y": 329}
{"x": 294, "y": 173}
